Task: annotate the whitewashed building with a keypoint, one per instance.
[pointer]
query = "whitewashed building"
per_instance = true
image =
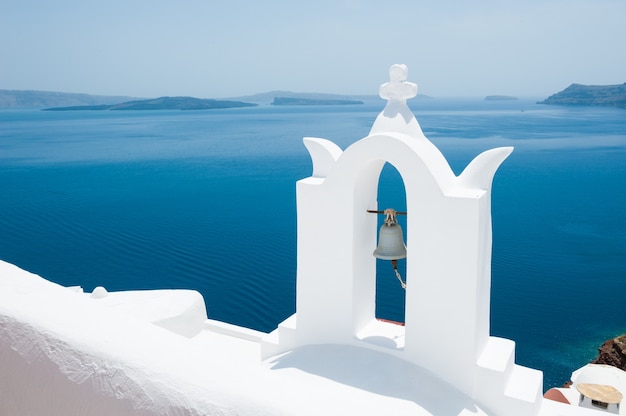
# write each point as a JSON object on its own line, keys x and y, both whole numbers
{"x": 148, "y": 353}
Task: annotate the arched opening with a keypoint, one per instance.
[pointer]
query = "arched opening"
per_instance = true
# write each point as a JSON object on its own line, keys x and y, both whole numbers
{"x": 390, "y": 296}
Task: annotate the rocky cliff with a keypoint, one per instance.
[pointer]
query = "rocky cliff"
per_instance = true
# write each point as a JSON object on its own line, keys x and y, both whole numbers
{"x": 613, "y": 352}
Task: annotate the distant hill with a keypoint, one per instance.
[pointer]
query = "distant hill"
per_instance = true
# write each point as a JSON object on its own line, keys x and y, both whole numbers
{"x": 162, "y": 103}
{"x": 266, "y": 98}
{"x": 38, "y": 99}
{"x": 500, "y": 98}
{"x": 594, "y": 95}
{"x": 49, "y": 99}
{"x": 310, "y": 101}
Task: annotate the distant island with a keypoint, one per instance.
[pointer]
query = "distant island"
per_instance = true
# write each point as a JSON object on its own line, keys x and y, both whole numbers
{"x": 162, "y": 103}
{"x": 62, "y": 101}
{"x": 500, "y": 98}
{"x": 38, "y": 99}
{"x": 590, "y": 95}
{"x": 267, "y": 98}
{"x": 312, "y": 101}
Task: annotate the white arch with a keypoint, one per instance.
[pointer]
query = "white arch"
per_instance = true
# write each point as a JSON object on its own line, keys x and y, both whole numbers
{"x": 448, "y": 244}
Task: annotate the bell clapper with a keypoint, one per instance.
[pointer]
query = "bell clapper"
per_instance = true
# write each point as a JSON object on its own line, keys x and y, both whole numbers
{"x": 394, "y": 263}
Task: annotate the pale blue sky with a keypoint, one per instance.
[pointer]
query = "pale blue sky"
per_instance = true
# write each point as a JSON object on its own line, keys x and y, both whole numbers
{"x": 213, "y": 49}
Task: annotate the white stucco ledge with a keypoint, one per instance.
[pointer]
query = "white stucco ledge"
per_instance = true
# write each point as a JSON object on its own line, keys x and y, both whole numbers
{"x": 62, "y": 352}
{"x": 180, "y": 311}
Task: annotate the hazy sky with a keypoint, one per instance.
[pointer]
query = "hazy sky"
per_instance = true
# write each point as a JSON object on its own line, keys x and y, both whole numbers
{"x": 213, "y": 49}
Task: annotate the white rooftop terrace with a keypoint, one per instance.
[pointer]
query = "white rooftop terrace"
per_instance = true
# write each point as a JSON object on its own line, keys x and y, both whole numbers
{"x": 77, "y": 354}
{"x": 137, "y": 353}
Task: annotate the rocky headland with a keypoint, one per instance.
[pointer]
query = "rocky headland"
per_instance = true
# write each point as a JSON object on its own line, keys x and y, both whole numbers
{"x": 590, "y": 95}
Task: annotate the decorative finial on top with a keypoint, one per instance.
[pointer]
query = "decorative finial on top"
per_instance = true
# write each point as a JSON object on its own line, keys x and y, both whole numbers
{"x": 396, "y": 116}
{"x": 398, "y": 89}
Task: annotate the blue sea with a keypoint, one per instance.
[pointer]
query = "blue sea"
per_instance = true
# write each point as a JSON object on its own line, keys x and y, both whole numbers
{"x": 206, "y": 200}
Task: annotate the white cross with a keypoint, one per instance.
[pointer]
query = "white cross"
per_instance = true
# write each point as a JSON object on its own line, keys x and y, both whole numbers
{"x": 398, "y": 89}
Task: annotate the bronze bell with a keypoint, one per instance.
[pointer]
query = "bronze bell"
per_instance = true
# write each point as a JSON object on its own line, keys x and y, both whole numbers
{"x": 390, "y": 239}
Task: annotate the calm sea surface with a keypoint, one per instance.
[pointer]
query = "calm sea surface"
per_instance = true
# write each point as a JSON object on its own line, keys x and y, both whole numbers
{"x": 206, "y": 200}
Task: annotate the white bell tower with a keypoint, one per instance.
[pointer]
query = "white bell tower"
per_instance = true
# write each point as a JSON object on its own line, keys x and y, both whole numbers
{"x": 448, "y": 260}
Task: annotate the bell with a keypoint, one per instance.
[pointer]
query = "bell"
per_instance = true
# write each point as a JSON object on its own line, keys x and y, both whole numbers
{"x": 390, "y": 243}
